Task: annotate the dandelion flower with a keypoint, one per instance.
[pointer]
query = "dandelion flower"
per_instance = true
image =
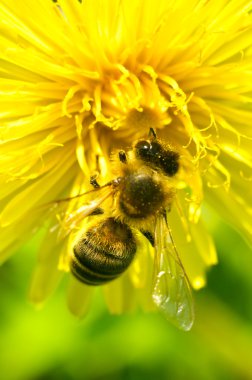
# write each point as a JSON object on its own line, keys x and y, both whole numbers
{"x": 82, "y": 79}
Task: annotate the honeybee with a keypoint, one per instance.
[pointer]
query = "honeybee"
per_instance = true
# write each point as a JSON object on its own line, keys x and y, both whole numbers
{"x": 141, "y": 195}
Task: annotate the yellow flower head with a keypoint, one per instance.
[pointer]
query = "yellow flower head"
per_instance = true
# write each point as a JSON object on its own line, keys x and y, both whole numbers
{"x": 81, "y": 80}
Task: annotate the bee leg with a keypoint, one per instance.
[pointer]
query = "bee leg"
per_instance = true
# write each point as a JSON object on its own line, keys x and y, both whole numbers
{"x": 149, "y": 236}
{"x": 97, "y": 211}
{"x": 93, "y": 181}
{"x": 122, "y": 156}
{"x": 152, "y": 134}
{"x": 95, "y": 184}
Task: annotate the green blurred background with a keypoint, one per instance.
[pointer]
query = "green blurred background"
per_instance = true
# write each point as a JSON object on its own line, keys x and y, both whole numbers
{"x": 50, "y": 344}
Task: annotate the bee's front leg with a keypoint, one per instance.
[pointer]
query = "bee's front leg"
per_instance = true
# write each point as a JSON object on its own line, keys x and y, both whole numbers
{"x": 122, "y": 156}
{"x": 93, "y": 181}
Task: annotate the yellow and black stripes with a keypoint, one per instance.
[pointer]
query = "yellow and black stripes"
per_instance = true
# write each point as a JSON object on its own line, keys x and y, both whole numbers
{"x": 103, "y": 252}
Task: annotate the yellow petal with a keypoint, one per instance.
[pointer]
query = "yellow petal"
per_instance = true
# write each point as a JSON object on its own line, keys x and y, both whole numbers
{"x": 79, "y": 297}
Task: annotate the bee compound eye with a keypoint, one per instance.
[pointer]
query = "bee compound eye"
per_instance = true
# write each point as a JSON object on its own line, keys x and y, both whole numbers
{"x": 142, "y": 148}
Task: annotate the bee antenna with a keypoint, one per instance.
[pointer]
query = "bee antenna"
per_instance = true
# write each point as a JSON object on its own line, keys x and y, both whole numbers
{"x": 152, "y": 134}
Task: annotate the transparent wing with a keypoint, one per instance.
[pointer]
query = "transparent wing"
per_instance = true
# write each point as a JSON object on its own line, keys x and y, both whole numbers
{"x": 74, "y": 218}
{"x": 70, "y": 217}
{"x": 171, "y": 288}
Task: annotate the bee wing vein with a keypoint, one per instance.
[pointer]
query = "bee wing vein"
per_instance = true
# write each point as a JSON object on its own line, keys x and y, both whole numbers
{"x": 171, "y": 288}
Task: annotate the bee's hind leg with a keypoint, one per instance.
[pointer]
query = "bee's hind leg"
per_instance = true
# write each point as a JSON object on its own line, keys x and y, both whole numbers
{"x": 149, "y": 236}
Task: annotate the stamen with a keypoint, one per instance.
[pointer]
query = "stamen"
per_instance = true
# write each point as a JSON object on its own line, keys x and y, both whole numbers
{"x": 70, "y": 94}
{"x": 227, "y": 177}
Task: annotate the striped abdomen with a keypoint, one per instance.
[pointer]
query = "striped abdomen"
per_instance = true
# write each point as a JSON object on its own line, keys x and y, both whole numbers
{"x": 103, "y": 252}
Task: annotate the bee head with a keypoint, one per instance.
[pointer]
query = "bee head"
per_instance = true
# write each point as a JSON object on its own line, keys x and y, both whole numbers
{"x": 157, "y": 155}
